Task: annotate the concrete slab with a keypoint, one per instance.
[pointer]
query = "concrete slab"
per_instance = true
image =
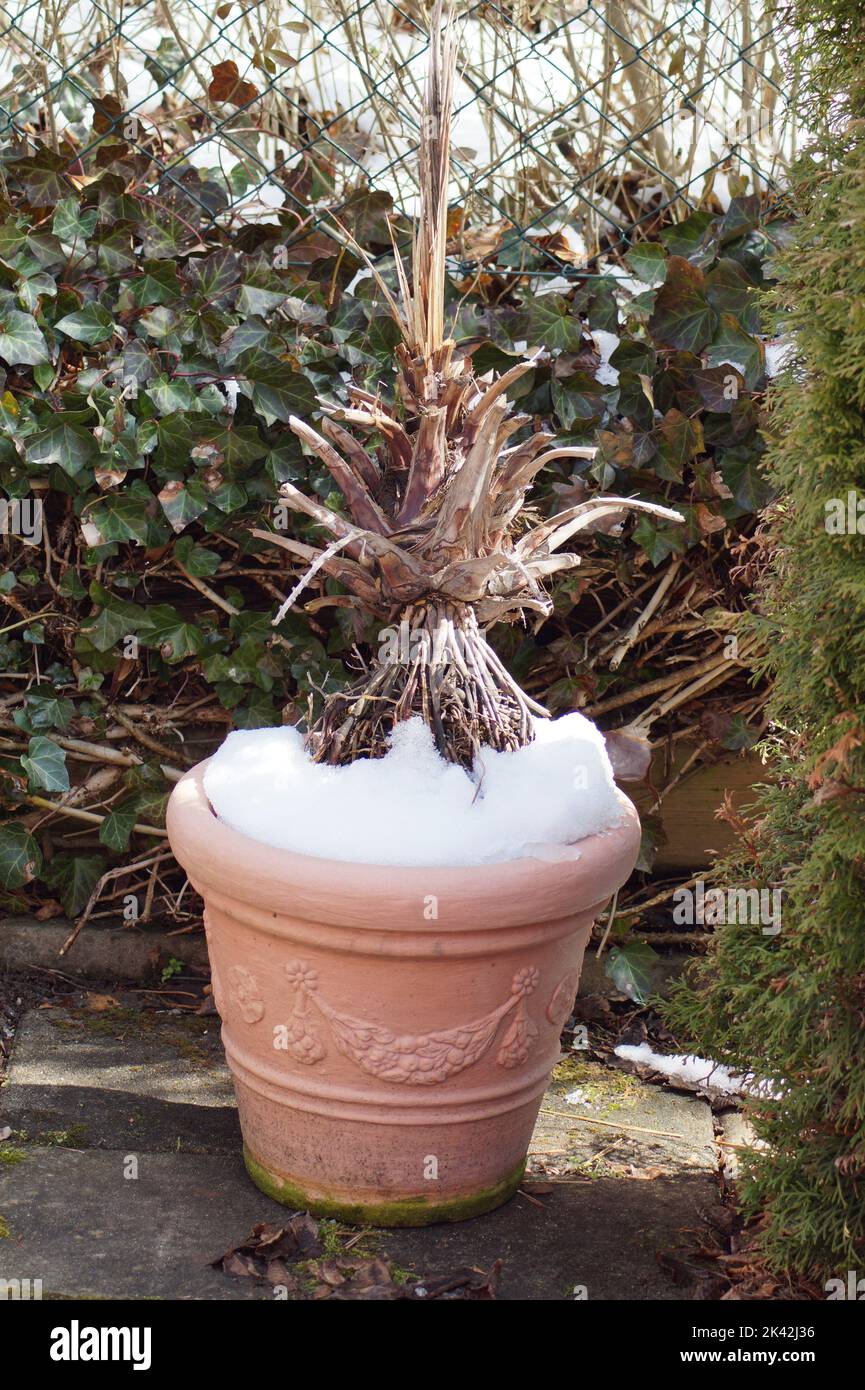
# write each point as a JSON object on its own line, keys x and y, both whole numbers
{"x": 129, "y": 1181}
{"x": 76, "y": 1221}
{"x": 120, "y": 1078}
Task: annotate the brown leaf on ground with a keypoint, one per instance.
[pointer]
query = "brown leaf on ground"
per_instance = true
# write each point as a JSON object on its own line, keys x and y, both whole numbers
{"x": 99, "y": 1003}
{"x": 50, "y": 908}
{"x": 271, "y": 1245}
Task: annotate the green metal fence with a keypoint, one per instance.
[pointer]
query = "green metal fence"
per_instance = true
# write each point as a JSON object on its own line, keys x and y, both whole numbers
{"x": 578, "y": 127}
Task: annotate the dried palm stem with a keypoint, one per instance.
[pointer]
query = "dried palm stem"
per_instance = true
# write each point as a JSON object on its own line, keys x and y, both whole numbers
{"x": 428, "y": 545}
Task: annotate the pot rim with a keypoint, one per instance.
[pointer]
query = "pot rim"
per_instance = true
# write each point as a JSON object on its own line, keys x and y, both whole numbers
{"x": 508, "y": 892}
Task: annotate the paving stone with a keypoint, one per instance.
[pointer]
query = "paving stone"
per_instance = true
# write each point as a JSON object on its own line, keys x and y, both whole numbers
{"x": 596, "y": 1118}
{"x": 87, "y": 1231}
{"x": 93, "y": 1089}
{"x": 78, "y": 1224}
{"x": 120, "y": 1078}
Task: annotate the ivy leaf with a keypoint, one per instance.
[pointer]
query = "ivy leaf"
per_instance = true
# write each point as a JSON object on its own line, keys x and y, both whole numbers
{"x": 20, "y": 856}
{"x": 73, "y": 225}
{"x": 682, "y": 440}
{"x": 276, "y": 389}
{"x": 731, "y": 344}
{"x": 730, "y": 291}
{"x": 164, "y": 628}
{"x": 579, "y": 399}
{"x": 157, "y": 284}
{"x": 124, "y": 516}
{"x": 92, "y": 324}
{"x": 116, "y": 829}
{"x": 45, "y": 765}
{"x": 630, "y": 969}
{"x": 182, "y": 503}
{"x": 658, "y": 541}
{"x": 648, "y": 261}
{"x": 70, "y": 445}
{"x": 551, "y": 323}
{"x": 683, "y": 315}
{"x": 42, "y": 177}
{"x": 740, "y": 470}
{"x": 197, "y": 559}
{"x": 114, "y": 620}
{"x": 73, "y": 877}
{"x": 22, "y": 343}
{"x": 688, "y": 237}
{"x": 44, "y": 710}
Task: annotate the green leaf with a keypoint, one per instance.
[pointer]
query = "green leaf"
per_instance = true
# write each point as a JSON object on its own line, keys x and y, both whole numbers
{"x": 73, "y": 877}
{"x": 197, "y": 559}
{"x": 730, "y": 291}
{"x": 42, "y": 177}
{"x": 686, "y": 238}
{"x": 648, "y": 261}
{"x": 731, "y": 344}
{"x": 89, "y": 325}
{"x": 630, "y": 969}
{"x": 182, "y": 504}
{"x": 45, "y": 765}
{"x": 124, "y": 516}
{"x": 70, "y": 585}
{"x": 658, "y": 541}
{"x": 277, "y": 390}
{"x": 20, "y": 856}
{"x": 21, "y": 340}
{"x": 683, "y": 315}
{"x": 682, "y": 440}
{"x": 73, "y": 225}
{"x": 116, "y": 829}
{"x": 157, "y": 284}
{"x": 106, "y": 629}
{"x": 579, "y": 399}
{"x": 740, "y": 469}
{"x": 164, "y": 628}
{"x": 44, "y": 709}
{"x": 70, "y": 446}
{"x": 550, "y": 322}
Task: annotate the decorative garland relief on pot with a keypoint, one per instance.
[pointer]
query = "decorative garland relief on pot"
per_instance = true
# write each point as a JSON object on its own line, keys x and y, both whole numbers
{"x": 408, "y": 1059}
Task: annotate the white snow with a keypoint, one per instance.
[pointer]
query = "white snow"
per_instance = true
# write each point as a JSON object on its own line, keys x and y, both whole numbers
{"x": 413, "y": 808}
{"x": 778, "y": 355}
{"x": 606, "y": 343}
{"x": 691, "y": 1070}
{"x": 579, "y": 1097}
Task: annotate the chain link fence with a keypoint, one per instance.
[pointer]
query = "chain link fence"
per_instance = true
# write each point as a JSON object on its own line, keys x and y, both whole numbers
{"x": 580, "y": 127}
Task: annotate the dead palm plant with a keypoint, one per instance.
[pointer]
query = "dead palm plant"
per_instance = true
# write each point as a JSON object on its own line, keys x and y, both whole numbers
{"x": 435, "y": 544}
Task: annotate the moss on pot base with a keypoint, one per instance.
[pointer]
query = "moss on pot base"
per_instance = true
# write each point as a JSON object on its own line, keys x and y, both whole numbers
{"x": 405, "y": 1211}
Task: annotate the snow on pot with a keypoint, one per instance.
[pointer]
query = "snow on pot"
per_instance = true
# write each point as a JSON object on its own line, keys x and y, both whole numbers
{"x": 391, "y": 1027}
{"x": 397, "y": 906}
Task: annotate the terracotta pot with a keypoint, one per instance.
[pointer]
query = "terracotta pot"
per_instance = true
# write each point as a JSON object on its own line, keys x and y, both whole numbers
{"x": 391, "y": 1031}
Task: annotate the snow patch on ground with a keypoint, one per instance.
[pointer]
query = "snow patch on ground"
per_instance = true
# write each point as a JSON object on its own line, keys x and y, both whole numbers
{"x": 691, "y": 1070}
{"x": 412, "y": 808}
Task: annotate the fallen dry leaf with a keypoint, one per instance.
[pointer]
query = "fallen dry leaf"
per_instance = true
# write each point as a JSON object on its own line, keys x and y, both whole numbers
{"x": 227, "y": 85}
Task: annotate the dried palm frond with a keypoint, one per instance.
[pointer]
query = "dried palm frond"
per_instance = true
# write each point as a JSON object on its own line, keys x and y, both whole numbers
{"x": 430, "y": 546}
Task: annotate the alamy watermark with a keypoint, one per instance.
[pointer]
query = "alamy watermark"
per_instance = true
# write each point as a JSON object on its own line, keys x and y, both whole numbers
{"x": 22, "y": 517}
{"x": 698, "y": 906}
{"x": 845, "y": 516}
{"x": 851, "y": 1288}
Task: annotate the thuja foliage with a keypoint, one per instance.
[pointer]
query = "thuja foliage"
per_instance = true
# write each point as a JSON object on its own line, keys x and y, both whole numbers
{"x": 792, "y": 1005}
